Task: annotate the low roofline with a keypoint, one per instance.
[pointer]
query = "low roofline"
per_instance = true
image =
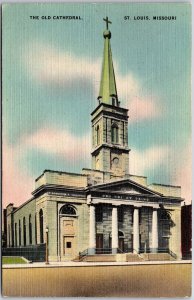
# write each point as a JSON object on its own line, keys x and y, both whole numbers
{"x": 49, "y": 186}
{"x": 104, "y": 172}
{"x": 10, "y": 204}
{"x": 88, "y": 169}
{"x": 137, "y": 175}
{"x": 59, "y": 172}
{"x": 26, "y": 202}
{"x": 168, "y": 185}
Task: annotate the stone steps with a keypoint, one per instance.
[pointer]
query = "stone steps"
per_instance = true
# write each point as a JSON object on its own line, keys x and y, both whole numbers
{"x": 157, "y": 256}
{"x": 100, "y": 258}
{"x": 125, "y": 257}
{"x": 132, "y": 257}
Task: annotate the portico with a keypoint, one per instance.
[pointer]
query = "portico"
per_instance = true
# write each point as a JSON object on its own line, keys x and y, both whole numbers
{"x": 133, "y": 228}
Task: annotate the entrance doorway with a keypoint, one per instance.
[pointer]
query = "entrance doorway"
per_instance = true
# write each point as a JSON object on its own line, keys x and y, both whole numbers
{"x": 68, "y": 245}
{"x": 121, "y": 241}
{"x": 99, "y": 243}
{"x": 67, "y": 232}
{"x": 121, "y": 244}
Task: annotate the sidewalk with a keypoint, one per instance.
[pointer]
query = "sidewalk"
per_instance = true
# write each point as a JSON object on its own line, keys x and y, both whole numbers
{"x": 90, "y": 264}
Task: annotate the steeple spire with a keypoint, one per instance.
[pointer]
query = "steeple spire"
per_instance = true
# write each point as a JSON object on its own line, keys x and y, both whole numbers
{"x": 108, "y": 90}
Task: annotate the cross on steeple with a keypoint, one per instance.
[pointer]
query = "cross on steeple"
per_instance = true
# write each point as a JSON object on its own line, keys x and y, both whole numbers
{"x": 107, "y": 22}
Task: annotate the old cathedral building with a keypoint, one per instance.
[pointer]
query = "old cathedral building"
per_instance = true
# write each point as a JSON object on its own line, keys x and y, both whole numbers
{"x": 104, "y": 209}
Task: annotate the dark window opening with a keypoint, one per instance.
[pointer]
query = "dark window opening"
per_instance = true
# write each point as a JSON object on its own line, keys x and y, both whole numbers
{"x": 140, "y": 216}
{"x": 121, "y": 234}
{"x": 30, "y": 230}
{"x": 99, "y": 214}
{"x": 97, "y": 135}
{"x": 35, "y": 231}
{"x": 16, "y": 242}
{"x": 68, "y": 245}
{"x": 9, "y": 233}
{"x": 164, "y": 215}
{"x": 114, "y": 134}
{"x": 123, "y": 133}
{"x": 24, "y": 231}
{"x": 120, "y": 214}
{"x": 67, "y": 210}
{"x": 20, "y": 240}
{"x": 41, "y": 226}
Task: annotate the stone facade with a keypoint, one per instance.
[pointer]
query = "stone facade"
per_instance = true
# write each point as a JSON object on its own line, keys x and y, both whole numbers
{"x": 125, "y": 195}
{"x": 110, "y": 140}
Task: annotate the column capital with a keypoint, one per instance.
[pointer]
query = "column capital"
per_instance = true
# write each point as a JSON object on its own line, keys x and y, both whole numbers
{"x": 115, "y": 205}
{"x": 136, "y": 207}
{"x": 89, "y": 199}
{"x": 155, "y": 208}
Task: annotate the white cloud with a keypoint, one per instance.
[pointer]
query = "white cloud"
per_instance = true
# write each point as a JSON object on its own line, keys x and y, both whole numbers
{"x": 49, "y": 66}
{"x": 177, "y": 164}
{"x": 17, "y": 184}
{"x": 60, "y": 143}
{"x": 149, "y": 159}
{"x": 183, "y": 174}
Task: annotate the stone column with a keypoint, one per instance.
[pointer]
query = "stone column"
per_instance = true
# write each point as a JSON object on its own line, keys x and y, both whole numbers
{"x": 92, "y": 231}
{"x": 115, "y": 239}
{"x": 136, "y": 230}
{"x": 154, "y": 247}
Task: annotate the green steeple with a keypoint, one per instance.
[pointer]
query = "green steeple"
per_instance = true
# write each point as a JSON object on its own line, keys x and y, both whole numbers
{"x": 108, "y": 90}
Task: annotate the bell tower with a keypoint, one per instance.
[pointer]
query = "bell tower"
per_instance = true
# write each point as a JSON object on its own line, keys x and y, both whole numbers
{"x": 110, "y": 152}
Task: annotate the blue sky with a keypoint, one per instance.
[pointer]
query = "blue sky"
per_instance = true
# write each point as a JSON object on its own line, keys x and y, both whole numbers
{"x": 51, "y": 75}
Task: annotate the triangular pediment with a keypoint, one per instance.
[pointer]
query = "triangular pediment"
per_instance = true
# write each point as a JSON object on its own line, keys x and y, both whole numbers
{"x": 125, "y": 187}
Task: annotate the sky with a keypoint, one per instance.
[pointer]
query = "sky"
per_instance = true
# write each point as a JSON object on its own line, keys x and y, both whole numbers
{"x": 51, "y": 77}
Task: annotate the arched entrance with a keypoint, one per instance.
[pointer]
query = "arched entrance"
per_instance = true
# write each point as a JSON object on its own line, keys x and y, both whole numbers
{"x": 68, "y": 230}
{"x": 121, "y": 241}
{"x": 121, "y": 237}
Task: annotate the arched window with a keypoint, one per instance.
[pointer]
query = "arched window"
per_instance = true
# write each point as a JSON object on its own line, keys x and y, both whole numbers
{"x": 114, "y": 134}
{"x": 20, "y": 233}
{"x": 41, "y": 226}
{"x": 97, "y": 135}
{"x": 35, "y": 227}
{"x": 68, "y": 210}
{"x": 16, "y": 242}
{"x": 24, "y": 230}
{"x": 30, "y": 230}
{"x": 121, "y": 234}
{"x": 9, "y": 233}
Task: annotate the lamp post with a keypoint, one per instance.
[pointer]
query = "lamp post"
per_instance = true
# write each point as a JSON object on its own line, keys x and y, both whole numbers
{"x": 47, "y": 230}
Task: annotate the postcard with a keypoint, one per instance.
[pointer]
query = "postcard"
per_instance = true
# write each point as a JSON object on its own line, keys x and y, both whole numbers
{"x": 96, "y": 114}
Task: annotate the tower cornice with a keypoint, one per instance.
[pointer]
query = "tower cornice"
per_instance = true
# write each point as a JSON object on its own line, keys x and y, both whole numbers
{"x": 118, "y": 148}
{"x": 109, "y": 106}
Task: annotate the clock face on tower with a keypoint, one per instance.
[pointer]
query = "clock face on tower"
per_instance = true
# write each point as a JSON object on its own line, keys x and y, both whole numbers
{"x": 115, "y": 161}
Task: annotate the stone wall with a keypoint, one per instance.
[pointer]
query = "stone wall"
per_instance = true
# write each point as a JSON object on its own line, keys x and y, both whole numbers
{"x": 166, "y": 190}
{"x": 25, "y": 211}
{"x": 61, "y": 178}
